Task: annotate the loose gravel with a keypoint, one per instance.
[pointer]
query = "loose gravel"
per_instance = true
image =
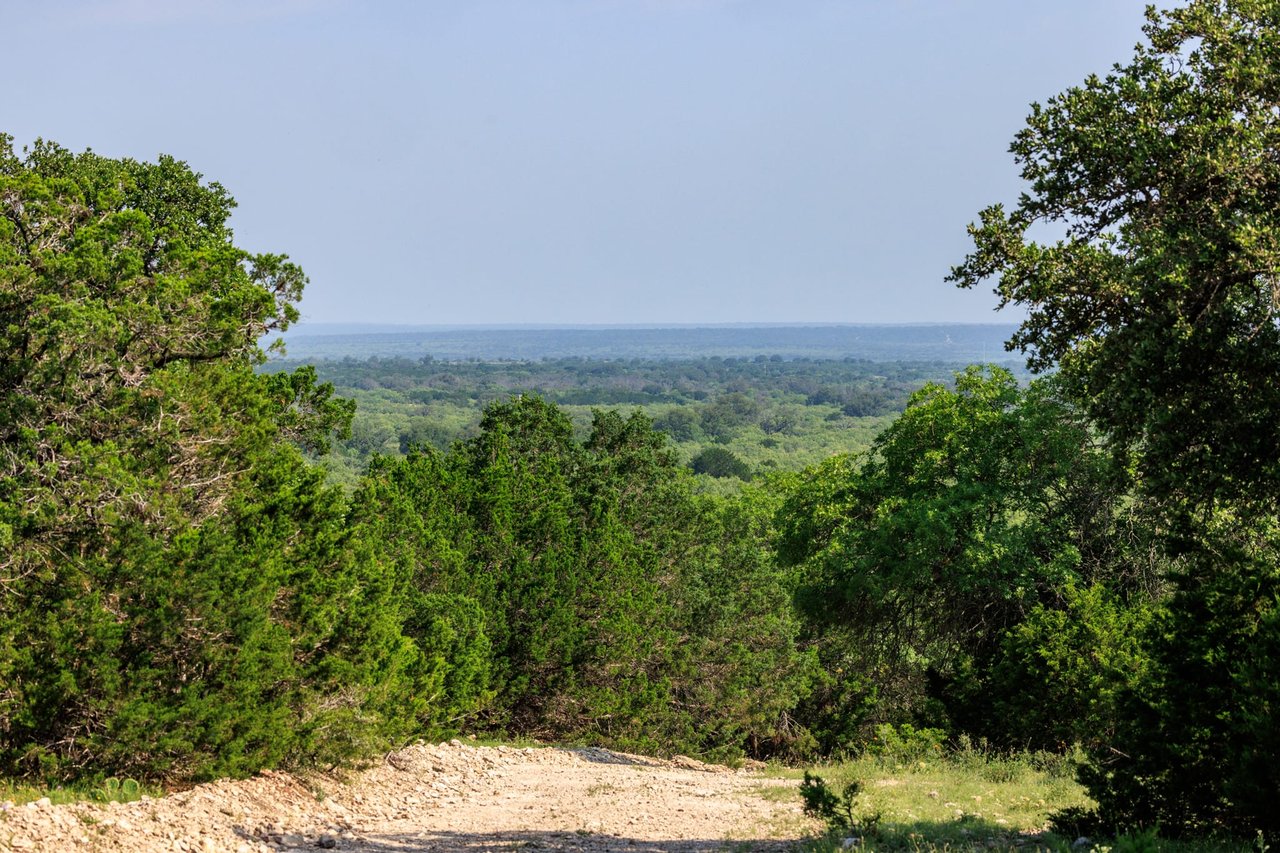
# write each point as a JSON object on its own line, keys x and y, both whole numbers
{"x": 434, "y": 797}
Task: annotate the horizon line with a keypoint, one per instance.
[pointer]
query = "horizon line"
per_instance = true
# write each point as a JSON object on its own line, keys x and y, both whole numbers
{"x": 393, "y": 328}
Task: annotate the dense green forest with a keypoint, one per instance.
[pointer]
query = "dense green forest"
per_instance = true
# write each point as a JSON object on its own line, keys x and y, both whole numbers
{"x": 1085, "y": 559}
{"x": 728, "y": 419}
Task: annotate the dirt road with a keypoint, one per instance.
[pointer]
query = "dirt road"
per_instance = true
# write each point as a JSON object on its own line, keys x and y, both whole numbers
{"x": 443, "y": 797}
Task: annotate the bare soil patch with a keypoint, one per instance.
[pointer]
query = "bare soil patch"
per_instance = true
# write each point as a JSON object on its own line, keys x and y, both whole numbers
{"x": 442, "y": 797}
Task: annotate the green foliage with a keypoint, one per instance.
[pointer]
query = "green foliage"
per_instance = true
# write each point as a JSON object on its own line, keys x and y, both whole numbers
{"x": 457, "y": 659}
{"x": 572, "y": 589}
{"x": 402, "y": 523}
{"x": 1055, "y": 678}
{"x": 904, "y": 743}
{"x": 747, "y": 672}
{"x": 719, "y": 462}
{"x": 180, "y": 600}
{"x": 973, "y": 507}
{"x": 1158, "y": 307}
{"x": 782, "y": 414}
{"x": 567, "y": 570}
{"x": 114, "y": 790}
{"x": 728, "y": 413}
{"x": 1142, "y": 841}
{"x": 1196, "y": 741}
{"x": 681, "y": 423}
{"x": 839, "y": 811}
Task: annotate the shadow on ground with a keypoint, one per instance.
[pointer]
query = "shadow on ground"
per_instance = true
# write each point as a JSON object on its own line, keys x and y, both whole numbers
{"x": 595, "y": 755}
{"x": 921, "y": 836}
{"x": 967, "y": 833}
{"x": 522, "y": 840}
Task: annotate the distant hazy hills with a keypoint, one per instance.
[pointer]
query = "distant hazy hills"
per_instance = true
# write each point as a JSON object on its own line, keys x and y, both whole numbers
{"x": 960, "y": 343}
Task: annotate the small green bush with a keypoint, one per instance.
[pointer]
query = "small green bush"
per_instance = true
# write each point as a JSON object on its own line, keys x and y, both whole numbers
{"x": 905, "y": 743}
{"x": 1142, "y": 841}
{"x": 838, "y": 810}
{"x": 114, "y": 790}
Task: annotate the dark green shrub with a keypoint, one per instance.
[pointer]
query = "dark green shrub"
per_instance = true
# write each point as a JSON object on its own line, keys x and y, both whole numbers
{"x": 180, "y": 600}
{"x": 914, "y": 559}
{"x": 727, "y": 414}
{"x": 778, "y": 421}
{"x": 1197, "y": 744}
{"x": 679, "y": 422}
{"x": 733, "y": 607}
{"x": 1054, "y": 679}
{"x": 456, "y": 660}
{"x": 534, "y": 571}
{"x": 720, "y": 462}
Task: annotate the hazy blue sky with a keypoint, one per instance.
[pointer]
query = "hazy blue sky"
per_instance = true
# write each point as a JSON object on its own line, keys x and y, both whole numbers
{"x": 577, "y": 161}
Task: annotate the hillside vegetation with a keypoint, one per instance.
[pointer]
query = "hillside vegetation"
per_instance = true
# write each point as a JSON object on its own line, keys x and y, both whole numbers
{"x": 758, "y": 415}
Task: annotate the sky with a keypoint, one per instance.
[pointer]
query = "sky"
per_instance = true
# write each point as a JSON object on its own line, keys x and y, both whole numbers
{"x": 577, "y": 161}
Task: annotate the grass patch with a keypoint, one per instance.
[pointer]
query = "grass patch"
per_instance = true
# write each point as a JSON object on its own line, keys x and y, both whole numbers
{"x": 514, "y": 741}
{"x": 110, "y": 790}
{"x": 970, "y": 800}
{"x": 604, "y": 788}
{"x": 777, "y": 793}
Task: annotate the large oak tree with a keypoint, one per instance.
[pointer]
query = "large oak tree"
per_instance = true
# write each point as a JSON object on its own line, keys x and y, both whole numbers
{"x": 1159, "y": 304}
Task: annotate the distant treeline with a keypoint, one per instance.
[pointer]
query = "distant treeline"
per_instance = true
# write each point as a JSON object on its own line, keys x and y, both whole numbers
{"x": 953, "y": 343}
{"x": 860, "y": 386}
{"x": 752, "y": 414}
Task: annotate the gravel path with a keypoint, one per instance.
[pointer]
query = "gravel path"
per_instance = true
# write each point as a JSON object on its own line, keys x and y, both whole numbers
{"x": 443, "y": 797}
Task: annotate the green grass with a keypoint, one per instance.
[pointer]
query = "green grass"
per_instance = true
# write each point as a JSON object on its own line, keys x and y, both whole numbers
{"x": 513, "y": 741}
{"x": 971, "y": 801}
{"x": 112, "y": 790}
